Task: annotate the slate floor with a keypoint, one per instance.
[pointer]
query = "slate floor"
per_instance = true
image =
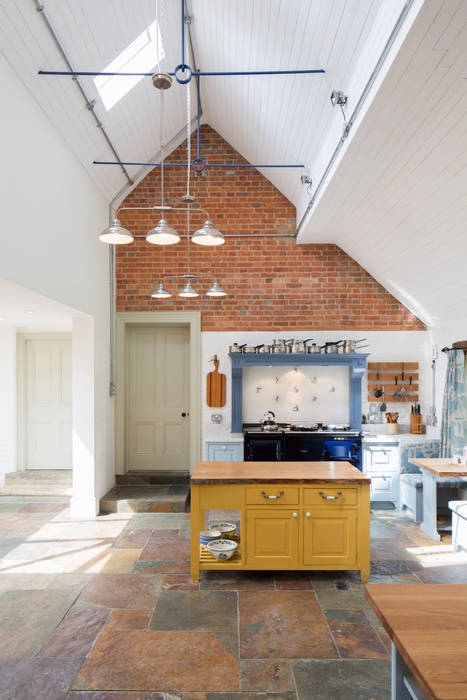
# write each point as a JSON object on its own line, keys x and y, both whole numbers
{"x": 94, "y": 610}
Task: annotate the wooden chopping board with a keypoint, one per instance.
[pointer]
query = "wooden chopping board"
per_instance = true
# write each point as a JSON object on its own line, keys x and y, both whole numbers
{"x": 215, "y": 386}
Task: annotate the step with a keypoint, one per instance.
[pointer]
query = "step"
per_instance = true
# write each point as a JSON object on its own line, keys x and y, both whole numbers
{"x": 153, "y": 477}
{"x": 144, "y": 498}
{"x": 38, "y": 483}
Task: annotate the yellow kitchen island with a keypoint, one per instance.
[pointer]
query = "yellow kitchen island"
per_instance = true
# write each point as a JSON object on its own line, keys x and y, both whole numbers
{"x": 293, "y": 515}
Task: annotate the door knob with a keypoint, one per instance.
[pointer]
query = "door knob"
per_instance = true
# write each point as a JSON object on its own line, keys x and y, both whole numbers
{"x": 185, "y": 414}
{"x": 308, "y": 515}
{"x": 294, "y": 515}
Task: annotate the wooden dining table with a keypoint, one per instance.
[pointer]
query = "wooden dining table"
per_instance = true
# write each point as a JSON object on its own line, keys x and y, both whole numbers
{"x": 427, "y": 624}
{"x": 431, "y": 469}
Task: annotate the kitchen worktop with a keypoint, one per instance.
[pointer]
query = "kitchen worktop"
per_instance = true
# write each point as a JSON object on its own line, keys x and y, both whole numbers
{"x": 277, "y": 473}
{"x": 398, "y": 437}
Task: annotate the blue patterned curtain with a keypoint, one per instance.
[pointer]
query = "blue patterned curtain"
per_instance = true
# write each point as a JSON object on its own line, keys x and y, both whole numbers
{"x": 454, "y": 422}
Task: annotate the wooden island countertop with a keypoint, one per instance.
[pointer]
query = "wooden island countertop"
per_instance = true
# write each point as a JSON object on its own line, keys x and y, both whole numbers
{"x": 277, "y": 473}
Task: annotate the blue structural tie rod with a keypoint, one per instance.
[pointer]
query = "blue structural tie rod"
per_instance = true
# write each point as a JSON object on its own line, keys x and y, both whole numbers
{"x": 206, "y": 165}
{"x": 194, "y": 73}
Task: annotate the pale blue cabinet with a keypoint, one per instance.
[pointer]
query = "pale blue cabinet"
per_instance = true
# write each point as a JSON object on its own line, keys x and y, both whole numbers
{"x": 224, "y": 451}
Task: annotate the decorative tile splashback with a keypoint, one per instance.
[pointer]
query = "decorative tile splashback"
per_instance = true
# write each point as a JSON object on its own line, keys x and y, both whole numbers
{"x": 302, "y": 394}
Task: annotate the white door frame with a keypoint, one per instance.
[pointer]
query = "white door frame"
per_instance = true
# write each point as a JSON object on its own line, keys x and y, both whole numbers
{"x": 21, "y": 386}
{"x": 190, "y": 319}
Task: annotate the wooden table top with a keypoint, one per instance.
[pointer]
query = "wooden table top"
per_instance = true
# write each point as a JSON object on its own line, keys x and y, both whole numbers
{"x": 441, "y": 466}
{"x": 277, "y": 473}
{"x": 428, "y": 625}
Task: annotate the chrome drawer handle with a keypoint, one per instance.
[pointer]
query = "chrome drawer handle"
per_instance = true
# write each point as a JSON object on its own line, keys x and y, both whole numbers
{"x": 330, "y": 498}
{"x": 272, "y": 498}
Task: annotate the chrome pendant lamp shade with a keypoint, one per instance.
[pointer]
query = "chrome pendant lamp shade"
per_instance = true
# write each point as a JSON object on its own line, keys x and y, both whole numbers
{"x": 208, "y": 235}
{"x": 161, "y": 292}
{"x": 188, "y": 290}
{"x": 216, "y": 291}
{"x": 116, "y": 234}
{"x": 162, "y": 234}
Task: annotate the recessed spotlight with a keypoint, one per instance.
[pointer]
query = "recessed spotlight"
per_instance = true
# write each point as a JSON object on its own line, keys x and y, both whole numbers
{"x": 29, "y": 312}
{"x": 2, "y": 318}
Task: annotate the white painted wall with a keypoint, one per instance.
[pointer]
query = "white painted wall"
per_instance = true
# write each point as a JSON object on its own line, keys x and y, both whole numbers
{"x": 52, "y": 214}
{"x": 390, "y": 346}
{"x": 8, "y": 406}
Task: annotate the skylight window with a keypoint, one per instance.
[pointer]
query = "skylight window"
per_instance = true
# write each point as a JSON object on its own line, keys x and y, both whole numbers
{"x": 141, "y": 56}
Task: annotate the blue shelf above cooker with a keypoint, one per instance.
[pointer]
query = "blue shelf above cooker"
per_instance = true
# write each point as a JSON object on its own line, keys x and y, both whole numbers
{"x": 356, "y": 362}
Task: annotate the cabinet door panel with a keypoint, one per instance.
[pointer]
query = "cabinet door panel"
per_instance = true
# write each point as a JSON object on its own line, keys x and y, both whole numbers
{"x": 272, "y": 538}
{"x": 329, "y": 539}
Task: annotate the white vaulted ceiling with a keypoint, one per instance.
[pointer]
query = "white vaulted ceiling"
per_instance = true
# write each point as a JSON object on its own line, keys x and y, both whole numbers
{"x": 277, "y": 119}
{"x": 396, "y": 200}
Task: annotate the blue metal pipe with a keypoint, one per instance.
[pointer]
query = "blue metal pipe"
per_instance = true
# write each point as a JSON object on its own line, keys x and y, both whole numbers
{"x": 195, "y": 73}
{"x": 197, "y": 119}
{"x": 206, "y": 165}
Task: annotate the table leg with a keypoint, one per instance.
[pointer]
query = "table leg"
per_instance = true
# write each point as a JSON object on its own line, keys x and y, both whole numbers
{"x": 428, "y": 524}
{"x": 195, "y": 528}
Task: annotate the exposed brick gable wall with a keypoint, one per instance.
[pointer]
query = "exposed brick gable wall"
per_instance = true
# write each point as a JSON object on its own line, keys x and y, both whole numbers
{"x": 272, "y": 284}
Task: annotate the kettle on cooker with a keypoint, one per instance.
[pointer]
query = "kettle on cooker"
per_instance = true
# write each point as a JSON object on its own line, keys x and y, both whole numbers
{"x": 268, "y": 421}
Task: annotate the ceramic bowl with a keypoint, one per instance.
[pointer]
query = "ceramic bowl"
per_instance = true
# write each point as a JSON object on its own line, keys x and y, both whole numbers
{"x": 225, "y": 528}
{"x": 209, "y": 535}
{"x": 222, "y": 549}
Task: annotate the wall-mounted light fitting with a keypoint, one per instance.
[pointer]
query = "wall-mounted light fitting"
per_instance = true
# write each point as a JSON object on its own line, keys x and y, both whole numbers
{"x": 338, "y": 97}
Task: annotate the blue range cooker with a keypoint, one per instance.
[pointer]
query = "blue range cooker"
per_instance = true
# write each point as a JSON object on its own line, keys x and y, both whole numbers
{"x": 294, "y": 443}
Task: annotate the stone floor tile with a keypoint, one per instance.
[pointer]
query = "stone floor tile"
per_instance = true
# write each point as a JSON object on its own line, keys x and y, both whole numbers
{"x": 128, "y": 591}
{"x": 161, "y": 567}
{"x": 386, "y": 578}
{"x": 28, "y": 618}
{"x": 109, "y": 695}
{"x": 236, "y": 581}
{"x": 293, "y": 580}
{"x": 166, "y": 549}
{"x": 179, "y": 582}
{"x": 42, "y": 508}
{"x": 160, "y": 507}
{"x": 128, "y": 619}
{"x": 185, "y": 530}
{"x": 75, "y": 635}
{"x": 9, "y": 507}
{"x": 355, "y": 638}
{"x": 240, "y": 696}
{"x": 392, "y": 566}
{"x": 30, "y": 582}
{"x": 334, "y": 599}
{"x": 41, "y": 679}
{"x": 75, "y": 580}
{"x": 389, "y": 549}
{"x": 261, "y": 676}
{"x": 133, "y": 539}
{"x": 441, "y": 574}
{"x": 283, "y": 624}
{"x": 343, "y": 679}
{"x": 158, "y": 660}
{"x": 214, "y": 611}
{"x": 116, "y": 561}
{"x": 156, "y": 521}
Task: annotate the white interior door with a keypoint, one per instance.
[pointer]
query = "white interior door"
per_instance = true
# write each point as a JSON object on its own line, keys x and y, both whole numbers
{"x": 48, "y": 443}
{"x": 158, "y": 398}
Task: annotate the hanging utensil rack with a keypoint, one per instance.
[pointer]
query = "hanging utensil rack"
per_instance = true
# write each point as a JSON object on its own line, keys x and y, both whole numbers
{"x": 385, "y": 373}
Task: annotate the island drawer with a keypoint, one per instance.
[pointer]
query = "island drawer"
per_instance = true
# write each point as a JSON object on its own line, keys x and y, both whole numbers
{"x": 271, "y": 494}
{"x": 338, "y": 495}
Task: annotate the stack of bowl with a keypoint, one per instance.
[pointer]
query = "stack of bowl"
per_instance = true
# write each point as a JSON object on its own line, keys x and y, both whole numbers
{"x": 227, "y": 530}
{"x": 209, "y": 535}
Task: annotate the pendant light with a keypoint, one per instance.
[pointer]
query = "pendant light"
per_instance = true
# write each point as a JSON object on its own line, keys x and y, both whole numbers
{"x": 216, "y": 291}
{"x": 116, "y": 234}
{"x": 188, "y": 291}
{"x": 162, "y": 234}
{"x": 161, "y": 292}
{"x": 208, "y": 235}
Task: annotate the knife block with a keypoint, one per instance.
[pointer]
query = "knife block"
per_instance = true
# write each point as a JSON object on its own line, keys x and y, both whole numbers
{"x": 415, "y": 424}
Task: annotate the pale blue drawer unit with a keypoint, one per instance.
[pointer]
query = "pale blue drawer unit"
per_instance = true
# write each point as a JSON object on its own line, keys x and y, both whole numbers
{"x": 224, "y": 451}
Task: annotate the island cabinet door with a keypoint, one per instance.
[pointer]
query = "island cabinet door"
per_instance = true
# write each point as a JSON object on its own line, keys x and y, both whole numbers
{"x": 272, "y": 538}
{"x": 330, "y": 539}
